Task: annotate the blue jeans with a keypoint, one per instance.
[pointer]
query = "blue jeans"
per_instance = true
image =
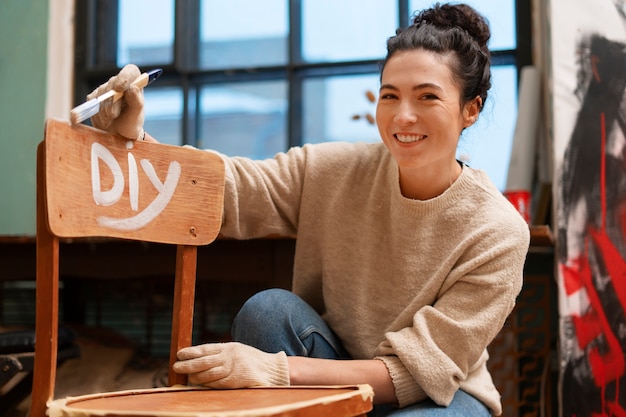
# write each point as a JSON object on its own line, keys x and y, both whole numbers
{"x": 278, "y": 320}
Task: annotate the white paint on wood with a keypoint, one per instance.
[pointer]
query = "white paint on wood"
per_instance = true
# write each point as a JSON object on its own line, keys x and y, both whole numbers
{"x": 165, "y": 189}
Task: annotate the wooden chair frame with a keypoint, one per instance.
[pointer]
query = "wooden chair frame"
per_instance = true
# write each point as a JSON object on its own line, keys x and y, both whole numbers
{"x": 92, "y": 184}
{"x": 66, "y": 207}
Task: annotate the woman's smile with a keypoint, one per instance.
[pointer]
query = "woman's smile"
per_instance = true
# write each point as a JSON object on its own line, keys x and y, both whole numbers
{"x": 409, "y": 138}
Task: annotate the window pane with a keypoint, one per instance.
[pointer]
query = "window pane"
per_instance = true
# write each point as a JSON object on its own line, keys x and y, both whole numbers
{"x": 243, "y": 33}
{"x": 245, "y": 119}
{"x": 501, "y": 16}
{"x": 337, "y": 109}
{"x": 146, "y": 32}
{"x": 487, "y": 144}
{"x": 163, "y": 110}
{"x": 347, "y": 30}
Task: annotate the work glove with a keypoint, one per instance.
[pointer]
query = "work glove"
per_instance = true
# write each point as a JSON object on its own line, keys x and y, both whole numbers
{"x": 232, "y": 365}
{"x": 125, "y": 117}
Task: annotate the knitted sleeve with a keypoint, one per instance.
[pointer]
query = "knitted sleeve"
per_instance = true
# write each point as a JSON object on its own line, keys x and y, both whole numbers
{"x": 262, "y": 198}
{"x": 447, "y": 340}
{"x": 266, "y": 197}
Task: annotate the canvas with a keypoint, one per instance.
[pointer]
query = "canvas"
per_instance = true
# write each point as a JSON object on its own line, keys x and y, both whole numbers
{"x": 588, "y": 85}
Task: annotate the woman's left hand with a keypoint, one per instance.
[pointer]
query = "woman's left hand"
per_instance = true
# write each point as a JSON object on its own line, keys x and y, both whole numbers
{"x": 232, "y": 365}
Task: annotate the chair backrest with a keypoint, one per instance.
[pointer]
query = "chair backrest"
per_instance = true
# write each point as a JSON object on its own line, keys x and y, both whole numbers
{"x": 92, "y": 184}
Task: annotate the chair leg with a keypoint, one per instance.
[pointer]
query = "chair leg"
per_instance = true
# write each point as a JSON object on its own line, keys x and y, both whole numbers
{"x": 47, "y": 300}
{"x": 182, "y": 315}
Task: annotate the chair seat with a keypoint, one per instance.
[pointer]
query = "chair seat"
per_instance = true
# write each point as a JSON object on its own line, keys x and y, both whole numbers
{"x": 194, "y": 401}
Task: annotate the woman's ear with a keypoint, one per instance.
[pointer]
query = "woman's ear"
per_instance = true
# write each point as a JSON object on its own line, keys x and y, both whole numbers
{"x": 471, "y": 111}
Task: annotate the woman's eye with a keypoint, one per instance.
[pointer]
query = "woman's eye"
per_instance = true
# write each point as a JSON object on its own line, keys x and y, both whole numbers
{"x": 429, "y": 97}
{"x": 387, "y": 96}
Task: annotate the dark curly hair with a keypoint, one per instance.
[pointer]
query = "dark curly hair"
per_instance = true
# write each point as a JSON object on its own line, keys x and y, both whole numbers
{"x": 458, "y": 30}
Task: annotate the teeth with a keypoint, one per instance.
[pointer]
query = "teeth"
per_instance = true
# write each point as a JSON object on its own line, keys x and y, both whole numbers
{"x": 409, "y": 138}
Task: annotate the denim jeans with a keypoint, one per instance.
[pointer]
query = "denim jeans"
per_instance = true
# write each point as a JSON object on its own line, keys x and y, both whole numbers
{"x": 278, "y": 320}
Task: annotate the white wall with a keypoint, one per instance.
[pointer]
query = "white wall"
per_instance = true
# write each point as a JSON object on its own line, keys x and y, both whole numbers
{"x": 59, "y": 89}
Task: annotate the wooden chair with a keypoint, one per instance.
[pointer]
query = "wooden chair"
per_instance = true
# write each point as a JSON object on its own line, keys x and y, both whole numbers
{"x": 91, "y": 184}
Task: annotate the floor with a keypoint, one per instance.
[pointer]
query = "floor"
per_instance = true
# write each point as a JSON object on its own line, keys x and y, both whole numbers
{"x": 107, "y": 362}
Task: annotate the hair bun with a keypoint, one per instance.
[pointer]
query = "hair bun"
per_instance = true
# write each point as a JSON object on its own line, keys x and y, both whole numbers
{"x": 448, "y": 16}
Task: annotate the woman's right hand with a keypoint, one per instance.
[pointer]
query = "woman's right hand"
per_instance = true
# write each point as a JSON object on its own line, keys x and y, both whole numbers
{"x": 126, "y": 116}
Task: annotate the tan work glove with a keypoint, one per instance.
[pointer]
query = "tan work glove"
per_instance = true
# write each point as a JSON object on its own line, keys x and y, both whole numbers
{"x": 232, "y": 365}
{"x": 124, "y": 117}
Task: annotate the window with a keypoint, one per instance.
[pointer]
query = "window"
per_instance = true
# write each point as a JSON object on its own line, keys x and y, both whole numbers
{"x": 253, "y": 78}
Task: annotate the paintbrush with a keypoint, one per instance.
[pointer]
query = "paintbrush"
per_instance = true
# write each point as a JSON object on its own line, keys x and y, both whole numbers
{"x": 91, "y": 107}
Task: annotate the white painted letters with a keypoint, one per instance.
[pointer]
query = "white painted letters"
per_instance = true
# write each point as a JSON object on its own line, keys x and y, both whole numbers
{"x": 112, "y": 196}
{"x": 133, "y": 182}
{"x": 165, "y": 189}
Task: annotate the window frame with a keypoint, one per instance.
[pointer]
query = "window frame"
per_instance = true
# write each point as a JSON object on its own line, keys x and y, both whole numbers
{"x": 96, "y": 58}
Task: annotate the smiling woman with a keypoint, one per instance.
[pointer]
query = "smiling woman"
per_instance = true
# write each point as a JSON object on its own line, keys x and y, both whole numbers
{"x": 432, "y": 231}
{"x": 420, "y": 120}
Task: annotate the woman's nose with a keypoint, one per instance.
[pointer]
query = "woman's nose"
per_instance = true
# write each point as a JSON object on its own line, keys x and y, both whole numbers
{"x": 405, "y": 115}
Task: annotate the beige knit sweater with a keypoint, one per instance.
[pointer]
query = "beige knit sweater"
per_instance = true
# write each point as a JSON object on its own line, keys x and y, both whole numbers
{"x": 422, "y": 285}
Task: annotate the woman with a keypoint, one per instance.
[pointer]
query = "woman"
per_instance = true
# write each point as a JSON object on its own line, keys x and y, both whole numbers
{"x": 407, "y": 261}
